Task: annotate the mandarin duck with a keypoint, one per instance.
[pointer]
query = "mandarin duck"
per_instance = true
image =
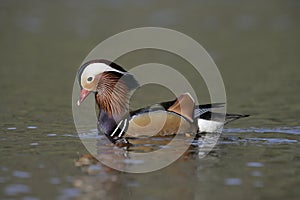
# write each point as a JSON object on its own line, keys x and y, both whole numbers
{"x": 112, "y": 85}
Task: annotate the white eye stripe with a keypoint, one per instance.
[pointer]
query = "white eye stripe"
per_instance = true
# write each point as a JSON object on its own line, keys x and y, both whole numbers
{"x": 98, "y": 68}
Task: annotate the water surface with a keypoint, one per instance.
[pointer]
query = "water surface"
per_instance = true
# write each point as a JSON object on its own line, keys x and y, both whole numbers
{"x": 255, "y": 46}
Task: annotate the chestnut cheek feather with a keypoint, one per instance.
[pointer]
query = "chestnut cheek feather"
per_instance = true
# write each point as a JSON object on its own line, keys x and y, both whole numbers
{"x": 113, "y": 94}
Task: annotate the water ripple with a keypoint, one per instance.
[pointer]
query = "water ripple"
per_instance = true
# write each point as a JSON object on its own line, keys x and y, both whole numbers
{"x": 21, "y": 174}
{"x": 254, "y": 164}
{"x": 233, "y": 181}
{"x": 288, "y": 130}
{"x": 273, "y": 140}
{"x": 16, "y": 189}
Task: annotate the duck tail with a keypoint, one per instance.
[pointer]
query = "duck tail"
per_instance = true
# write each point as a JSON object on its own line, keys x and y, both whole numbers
{"x": 220, "y": 116}
{"x": 232, "y": 117}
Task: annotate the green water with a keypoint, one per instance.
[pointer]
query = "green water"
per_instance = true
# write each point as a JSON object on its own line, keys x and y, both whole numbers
{"x": 254, "y": 44}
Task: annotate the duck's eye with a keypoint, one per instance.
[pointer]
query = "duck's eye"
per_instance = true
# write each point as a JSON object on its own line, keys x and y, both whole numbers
{"x": 89, "y": 79}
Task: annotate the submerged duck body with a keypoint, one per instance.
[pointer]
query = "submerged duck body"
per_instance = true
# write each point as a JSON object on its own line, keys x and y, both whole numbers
{"x": 112, "y": 86}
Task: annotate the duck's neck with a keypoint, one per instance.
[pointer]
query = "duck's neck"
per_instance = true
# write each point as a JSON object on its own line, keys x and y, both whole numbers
{"x": 115, "y": 105}
{"x": 107, "y": 122}
{"x": 112, "y": 98}
{"x": 114, "y": 108}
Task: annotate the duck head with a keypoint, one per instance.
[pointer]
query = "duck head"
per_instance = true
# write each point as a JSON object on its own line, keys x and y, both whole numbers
{"x": 110, "y": 83}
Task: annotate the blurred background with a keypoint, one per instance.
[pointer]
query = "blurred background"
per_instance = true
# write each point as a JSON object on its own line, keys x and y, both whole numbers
{"x": 255, "y": 45}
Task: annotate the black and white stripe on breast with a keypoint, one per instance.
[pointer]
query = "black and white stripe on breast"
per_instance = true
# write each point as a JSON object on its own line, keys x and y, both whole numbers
{"x": 120, "y": 130}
